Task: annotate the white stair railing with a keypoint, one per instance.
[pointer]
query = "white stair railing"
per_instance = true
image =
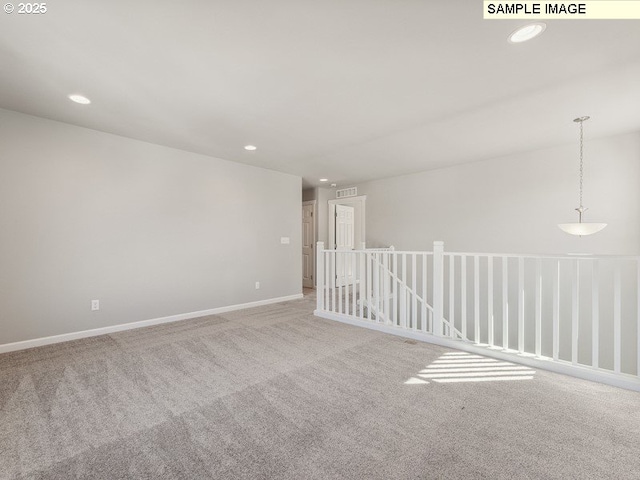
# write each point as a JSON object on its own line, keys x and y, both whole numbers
{"x": 575, "y": 314}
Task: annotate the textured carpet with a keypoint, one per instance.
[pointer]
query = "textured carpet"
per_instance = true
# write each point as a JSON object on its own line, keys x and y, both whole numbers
{"x": 273, "y": 392}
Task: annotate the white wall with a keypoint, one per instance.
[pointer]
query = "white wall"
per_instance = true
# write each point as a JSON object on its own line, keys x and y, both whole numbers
{"x": 512, "y": 204}
{"x": 150, "y": 231}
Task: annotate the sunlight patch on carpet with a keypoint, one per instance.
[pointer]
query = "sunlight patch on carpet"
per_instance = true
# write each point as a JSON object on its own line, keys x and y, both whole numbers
{"x": 415, "y": 381}
{"x": 460, "y": 367}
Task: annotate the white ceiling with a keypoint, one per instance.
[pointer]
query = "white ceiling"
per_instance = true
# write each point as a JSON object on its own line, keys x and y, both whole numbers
{"x": 350, "y": 90}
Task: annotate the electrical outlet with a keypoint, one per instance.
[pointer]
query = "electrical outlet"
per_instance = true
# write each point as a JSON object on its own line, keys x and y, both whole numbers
{"x": 285, "y": 240}
{"x": 95, "y": 305}
{"x": 257, "y": 285}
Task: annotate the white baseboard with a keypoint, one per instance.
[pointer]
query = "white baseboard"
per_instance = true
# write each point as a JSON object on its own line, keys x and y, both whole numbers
{"x": 65, "y": 337}
{"x": 629, "y": 382}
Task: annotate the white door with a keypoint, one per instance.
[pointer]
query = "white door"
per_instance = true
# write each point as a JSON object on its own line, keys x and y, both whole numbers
{"x": 345, "y": 227}
{"x": 345, "y": 240}
{"x": 308, "y": 237}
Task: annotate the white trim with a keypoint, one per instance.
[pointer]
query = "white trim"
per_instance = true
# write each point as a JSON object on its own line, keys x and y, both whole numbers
{"x": 65, "y": 337}
{"x": 360, "y": 201}
{"x": 628, "y": 382}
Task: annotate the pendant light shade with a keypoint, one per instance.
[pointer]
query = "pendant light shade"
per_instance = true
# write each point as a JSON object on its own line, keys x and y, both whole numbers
{"x": 581, "y": 228}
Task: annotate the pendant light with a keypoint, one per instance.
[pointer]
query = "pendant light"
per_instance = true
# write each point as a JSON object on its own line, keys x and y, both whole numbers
{"x": 581, "y": 228}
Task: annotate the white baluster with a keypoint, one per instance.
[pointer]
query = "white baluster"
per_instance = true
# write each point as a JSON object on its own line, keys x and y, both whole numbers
{"x": 575, "y": 283}
{"x": 556, "y": 311}
{"x": 595, "y": 314}
{"x": 370, "y": 277}
{"x": 354, "y": 272}
{"x": 617, "y": 308}
{"x": 362, "y": 256}
{"x": 424, "y": 294}
{"x": 334, "y": 275}
{"x": 452, "y": 323}
{"x": 414, "y": 287}
{"x": 376, "y": 284}
{"x": 505, "y": 303}
{"x": 490, "y": 299}
{"x": 438, "y": 287}
{"x": 327, "y": 281}
{"x": 320, "y": 276}
{"x": 476, "y": 298}
{"x": 403, "y": 296}
{"x": 521, "y": 305}
{"x": 386, "y": 286}
{"x": 463, "y": 296}
{"x": 393, "y": 290}
{"x": 346, "y": 265}
{"x": 538, "y": 308}
{"x": 340, "y": 268}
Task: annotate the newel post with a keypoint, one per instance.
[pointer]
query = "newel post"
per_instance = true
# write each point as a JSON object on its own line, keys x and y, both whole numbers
{"x": 438, "y": 286}
{"x": 320, "y": 276}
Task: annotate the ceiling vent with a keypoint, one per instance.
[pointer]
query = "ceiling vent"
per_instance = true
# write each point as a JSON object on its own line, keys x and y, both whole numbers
{"x": 347, "y": 192}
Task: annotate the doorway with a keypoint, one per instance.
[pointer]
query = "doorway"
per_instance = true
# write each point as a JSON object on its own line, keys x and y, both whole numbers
{"x": 358, "y": 204}
{"x": 308, "y": 240}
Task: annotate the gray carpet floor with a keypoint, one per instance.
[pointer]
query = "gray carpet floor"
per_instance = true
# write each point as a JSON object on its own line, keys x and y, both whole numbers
{"x": 276, "y": 393}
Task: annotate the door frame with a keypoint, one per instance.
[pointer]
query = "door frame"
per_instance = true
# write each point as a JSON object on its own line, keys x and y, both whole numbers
{"x": 315, "y": 238}
{"x": 359, "y": 216}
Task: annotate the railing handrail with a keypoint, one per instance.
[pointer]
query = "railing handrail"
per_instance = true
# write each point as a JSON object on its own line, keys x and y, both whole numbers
{"x": 552, "y": 256}
{"x": 373, "y": 250}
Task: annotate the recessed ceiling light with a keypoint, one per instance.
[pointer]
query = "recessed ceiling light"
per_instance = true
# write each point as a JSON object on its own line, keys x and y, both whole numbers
{"x": 324, "y": 179}
{"x": 251, "y": 148}
{"x": 81, "y": 99}
{"x": 527, "y": 32}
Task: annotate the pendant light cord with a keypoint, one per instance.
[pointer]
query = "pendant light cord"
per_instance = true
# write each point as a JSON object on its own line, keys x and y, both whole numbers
{"x": 581, "y": 228}
{"x": 581, "y": 161}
